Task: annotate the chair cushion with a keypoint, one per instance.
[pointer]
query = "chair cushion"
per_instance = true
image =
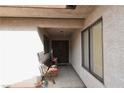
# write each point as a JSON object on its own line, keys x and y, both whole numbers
{"x": 53, "y": 71}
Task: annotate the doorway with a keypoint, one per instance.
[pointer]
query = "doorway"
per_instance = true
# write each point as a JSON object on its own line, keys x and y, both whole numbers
{"x": 61, "y": 51}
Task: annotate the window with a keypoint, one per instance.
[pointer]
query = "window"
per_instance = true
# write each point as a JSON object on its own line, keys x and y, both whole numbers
{"x": 85, "y": 41}
{"x": 96, "y": 49}
{"x": 46, "y": 44}
{"x": 92, "y": 50}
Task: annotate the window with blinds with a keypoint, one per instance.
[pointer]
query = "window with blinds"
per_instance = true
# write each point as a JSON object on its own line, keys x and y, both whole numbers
{"x": 92, "y": 56}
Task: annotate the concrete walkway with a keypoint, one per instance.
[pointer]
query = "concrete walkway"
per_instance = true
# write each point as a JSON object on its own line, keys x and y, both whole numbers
{"x": 67, "y": 78}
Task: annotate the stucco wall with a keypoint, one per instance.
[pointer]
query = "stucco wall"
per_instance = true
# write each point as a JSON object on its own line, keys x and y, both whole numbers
{"x": 39, "y": 22}
{"x": 113, "y": 47}
{"x": 41, "y": 33}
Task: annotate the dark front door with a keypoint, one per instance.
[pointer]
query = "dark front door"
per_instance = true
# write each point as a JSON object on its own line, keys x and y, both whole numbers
{"x": 61, "y": 50}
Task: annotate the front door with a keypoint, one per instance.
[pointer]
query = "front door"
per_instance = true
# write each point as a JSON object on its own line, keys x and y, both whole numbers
{"x": 61, "y": 50}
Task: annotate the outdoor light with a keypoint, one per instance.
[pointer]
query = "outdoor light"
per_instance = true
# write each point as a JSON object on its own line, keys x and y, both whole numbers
{"x": 61, "y": 31}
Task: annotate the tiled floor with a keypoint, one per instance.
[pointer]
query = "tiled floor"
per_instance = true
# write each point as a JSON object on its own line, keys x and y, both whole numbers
{"x": 67, "y": 78}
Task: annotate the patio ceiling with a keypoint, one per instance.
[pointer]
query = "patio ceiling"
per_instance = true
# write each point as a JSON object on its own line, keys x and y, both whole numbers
{"x": 60, "y": 32}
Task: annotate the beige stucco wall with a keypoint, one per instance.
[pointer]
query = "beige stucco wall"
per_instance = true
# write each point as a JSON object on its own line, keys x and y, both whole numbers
{"x": 113, "y": 47}
{"x": 41, "y": 33}
{"x": 39, "y": 22}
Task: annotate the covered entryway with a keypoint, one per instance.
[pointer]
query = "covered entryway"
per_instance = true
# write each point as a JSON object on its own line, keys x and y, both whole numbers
{"x": 59, "y": 42}
{"x": 56, "y": 28}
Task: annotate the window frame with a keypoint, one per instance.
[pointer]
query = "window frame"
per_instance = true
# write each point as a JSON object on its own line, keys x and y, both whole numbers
{"x": 89, "y": 43}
